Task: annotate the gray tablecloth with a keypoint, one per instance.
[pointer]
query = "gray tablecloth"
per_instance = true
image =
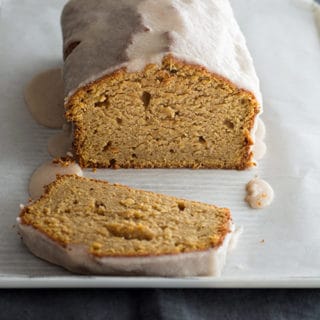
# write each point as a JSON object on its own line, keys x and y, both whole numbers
{"x": 160, "y": 304}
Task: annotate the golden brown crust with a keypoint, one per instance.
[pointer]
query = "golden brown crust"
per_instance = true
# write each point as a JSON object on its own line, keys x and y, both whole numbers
{"x": 168, "y": 59}
{"x": 28, "y": 217}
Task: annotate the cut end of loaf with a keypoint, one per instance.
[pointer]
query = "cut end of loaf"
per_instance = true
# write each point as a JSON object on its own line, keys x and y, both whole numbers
{"x": 114, "y": 220}
{"x": 176, "y": 115}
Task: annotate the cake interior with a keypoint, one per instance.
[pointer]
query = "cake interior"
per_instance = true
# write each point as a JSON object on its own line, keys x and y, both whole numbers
{"x": 176, "y": 115}
{"x": 114, "y": 220}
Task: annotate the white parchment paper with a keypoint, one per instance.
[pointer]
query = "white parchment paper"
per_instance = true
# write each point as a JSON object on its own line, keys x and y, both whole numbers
{"x": 280, "y": 243}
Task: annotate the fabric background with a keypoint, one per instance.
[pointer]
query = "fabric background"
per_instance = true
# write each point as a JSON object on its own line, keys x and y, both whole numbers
{"x": 160, "y": 304}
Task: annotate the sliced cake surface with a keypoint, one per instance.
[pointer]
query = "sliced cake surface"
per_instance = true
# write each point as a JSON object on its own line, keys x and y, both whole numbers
{"x": 91, "y": 226}
{"x": 159, "y": 84}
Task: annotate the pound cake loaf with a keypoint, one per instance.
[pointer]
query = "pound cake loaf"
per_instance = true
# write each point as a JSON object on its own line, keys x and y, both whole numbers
{"x": 153, "y": 83}
{"x": 93, "y": 227}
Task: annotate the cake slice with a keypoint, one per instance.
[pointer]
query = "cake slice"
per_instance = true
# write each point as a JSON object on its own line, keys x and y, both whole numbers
{"x": 152, "y": 83}
{"x": 93, "y": 227}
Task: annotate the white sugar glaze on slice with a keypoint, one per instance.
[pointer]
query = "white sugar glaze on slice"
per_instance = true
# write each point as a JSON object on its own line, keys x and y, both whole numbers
{"x": 47, "y": 173}
{"x": 44, "y": 98}
{"x": 76, "y": 258}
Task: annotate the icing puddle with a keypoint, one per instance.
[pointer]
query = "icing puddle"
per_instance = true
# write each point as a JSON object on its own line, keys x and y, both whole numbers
{"x": 259, "y": 193}
{"x": 44, "y": 96}
{"x": 47, "y": 173}
{"x": 61, "y": 143}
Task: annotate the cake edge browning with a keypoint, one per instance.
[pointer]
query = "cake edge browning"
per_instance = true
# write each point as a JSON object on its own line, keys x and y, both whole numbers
{"x": 247, "y": 161}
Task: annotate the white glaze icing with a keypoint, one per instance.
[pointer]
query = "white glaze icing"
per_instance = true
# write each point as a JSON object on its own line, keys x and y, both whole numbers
{"x": 60, "y": 144}
{"x": 120, "y": 33}
{"x": 47, "y": 173}
{"x": 77, "y": 259}
{"x": 235, "y": 238}
{"x": 44, "y": 98}
{"x": 258, "y": 134}
{"x": 259, "y": 193}
{"x": 259, "y": 149}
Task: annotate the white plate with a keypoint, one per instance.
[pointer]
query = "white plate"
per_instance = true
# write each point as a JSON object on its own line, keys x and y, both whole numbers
{"x": 284, "y": 42}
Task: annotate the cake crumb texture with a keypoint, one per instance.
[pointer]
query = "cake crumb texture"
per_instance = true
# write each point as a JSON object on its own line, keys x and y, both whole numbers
{"x": 176, "y": 115}
{"x": 115, "y": 220}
